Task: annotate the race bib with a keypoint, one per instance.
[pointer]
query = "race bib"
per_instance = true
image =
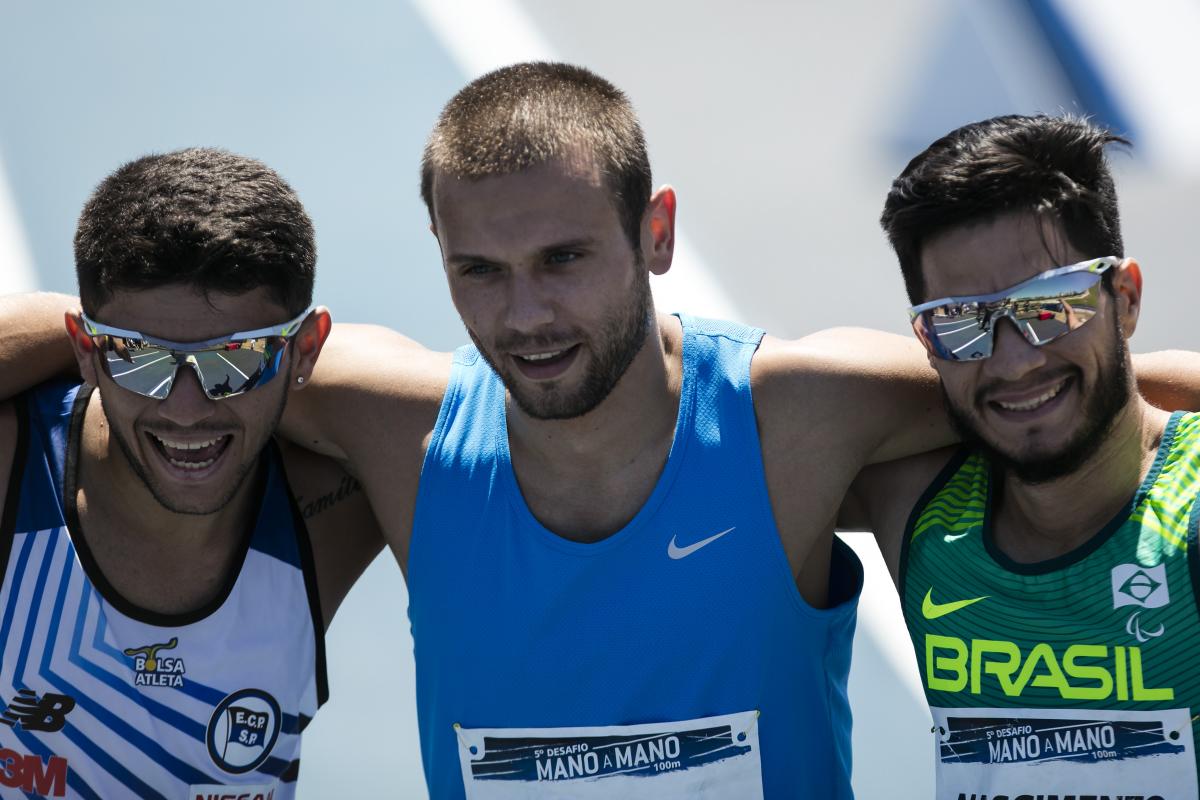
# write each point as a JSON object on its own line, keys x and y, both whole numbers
{"x": 713, "y": 757}
{"x": 999, "y": 753}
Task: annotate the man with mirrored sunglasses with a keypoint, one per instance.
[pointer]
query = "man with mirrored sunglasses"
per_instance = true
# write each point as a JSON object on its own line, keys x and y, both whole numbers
{"x": 1047, "y": 568}
{"x": 164, "y": 600}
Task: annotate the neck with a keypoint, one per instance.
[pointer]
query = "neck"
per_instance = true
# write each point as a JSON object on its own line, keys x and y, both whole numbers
{"x": 1036, "y": 522}
{"x": 586, "y": 478}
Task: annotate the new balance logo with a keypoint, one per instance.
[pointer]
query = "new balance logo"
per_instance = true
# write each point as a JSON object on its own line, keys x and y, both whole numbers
{"x": 47, "y": 713}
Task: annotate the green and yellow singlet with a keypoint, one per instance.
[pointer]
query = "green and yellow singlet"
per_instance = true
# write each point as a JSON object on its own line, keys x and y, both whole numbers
{"x": 1068, "y": 678}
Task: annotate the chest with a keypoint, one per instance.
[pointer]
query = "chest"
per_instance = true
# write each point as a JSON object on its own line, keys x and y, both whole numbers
{"x": 1112, "y": 628}
{"x": 186, "y": 704}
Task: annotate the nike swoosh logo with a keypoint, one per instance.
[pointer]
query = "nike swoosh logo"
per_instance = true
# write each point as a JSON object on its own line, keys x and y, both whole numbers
{"x": 932, "y": 610}
{"x": 677, "y": 552}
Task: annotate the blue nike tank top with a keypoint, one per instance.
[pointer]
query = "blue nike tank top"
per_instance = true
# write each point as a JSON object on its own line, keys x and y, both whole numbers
{"x": 675, "y": 658}
{"x": 102, "y": 699}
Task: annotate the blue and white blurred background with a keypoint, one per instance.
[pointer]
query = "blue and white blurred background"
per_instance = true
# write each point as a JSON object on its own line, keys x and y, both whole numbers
{"x": 780, "y": 124}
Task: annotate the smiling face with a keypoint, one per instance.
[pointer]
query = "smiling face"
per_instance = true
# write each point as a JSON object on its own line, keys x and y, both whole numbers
{"x": 546, "y": 281}
{"x": 1041, "y": 411}
{"x": 192, "y": 453}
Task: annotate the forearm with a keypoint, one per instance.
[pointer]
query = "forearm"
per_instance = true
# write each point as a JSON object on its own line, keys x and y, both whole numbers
{"x": 33, "y": 344}
{"x": 1169, "y": 379}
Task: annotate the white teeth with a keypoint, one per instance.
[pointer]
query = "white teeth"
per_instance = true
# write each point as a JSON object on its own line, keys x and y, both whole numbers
{"x": 186, "y": 445}
{"x": 1029, "y": 405}
{"x": 543, "y": 356}
{"x": 192, "y": 464}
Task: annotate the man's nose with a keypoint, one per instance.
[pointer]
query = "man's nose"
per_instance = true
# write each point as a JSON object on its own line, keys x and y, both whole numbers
{"x": 1013, "y": 357}
{"x": 187, "y": 404}
{"x": 530, "y": 308}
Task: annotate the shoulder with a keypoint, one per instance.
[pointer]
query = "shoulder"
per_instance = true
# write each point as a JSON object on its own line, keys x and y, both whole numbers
{"x": 371, "y": 387}
{"x": 870, "y": 394}
{"x": 835, "y": 357}
{"x": 829, "y": 375}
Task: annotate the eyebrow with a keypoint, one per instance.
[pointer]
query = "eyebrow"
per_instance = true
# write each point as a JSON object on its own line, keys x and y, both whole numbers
{"x": 566, "y": 244}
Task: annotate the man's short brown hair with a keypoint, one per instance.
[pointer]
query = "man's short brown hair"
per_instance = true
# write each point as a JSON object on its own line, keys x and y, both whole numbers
{"x": 527, "y": 114}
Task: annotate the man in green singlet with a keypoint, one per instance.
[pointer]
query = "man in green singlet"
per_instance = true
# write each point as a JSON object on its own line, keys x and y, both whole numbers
{"x": 1047, "y": 569}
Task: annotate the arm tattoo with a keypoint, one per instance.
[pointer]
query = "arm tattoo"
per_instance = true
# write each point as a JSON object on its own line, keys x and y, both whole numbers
{"x": 345, "y": 489}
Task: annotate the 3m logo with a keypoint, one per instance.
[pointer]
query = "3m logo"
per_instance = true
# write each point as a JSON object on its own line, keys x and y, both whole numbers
{"x": 47, "y": 713}
{"x": 32, "y": 775}
{"x": 1135, "y": 585}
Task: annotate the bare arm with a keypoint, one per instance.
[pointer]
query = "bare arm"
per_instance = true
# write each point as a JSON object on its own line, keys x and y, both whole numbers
{"x": 826, "y": 406}
{"x": 341, "y": 526}
{"x": 372, "y": 404}
{"x": 875, "y": 392}
{"x": 33, "y": 345}
{"x": 1169, "y": 379}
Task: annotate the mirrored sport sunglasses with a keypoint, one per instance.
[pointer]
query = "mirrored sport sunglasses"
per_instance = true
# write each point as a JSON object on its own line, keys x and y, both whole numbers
{"x": 1043, "y": 308}
{"x": 226, "y": 367}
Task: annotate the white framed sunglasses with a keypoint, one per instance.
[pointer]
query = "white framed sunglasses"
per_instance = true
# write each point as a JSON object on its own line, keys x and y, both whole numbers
{"x": 226, "y": 366}
{"x": 1046, "y": 307}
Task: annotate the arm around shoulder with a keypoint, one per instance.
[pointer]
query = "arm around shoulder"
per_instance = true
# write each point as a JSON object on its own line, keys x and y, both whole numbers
{"x": 1169, "y": 379}
{"x": 33, "y": 344}
{"x": 873, "y": 393}
{"x": 369, "y": 382}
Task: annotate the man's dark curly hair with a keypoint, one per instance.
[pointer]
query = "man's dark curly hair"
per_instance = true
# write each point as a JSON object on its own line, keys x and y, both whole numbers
{"x": 1041, "y": 164}
{"x": 203, "y": 217}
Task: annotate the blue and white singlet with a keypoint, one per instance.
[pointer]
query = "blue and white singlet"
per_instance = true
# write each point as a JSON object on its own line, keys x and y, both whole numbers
{"x": 102, "y": 699}
{"x": 674, "y": 659}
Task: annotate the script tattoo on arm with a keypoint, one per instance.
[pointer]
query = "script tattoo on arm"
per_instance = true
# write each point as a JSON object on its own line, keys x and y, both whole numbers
{"x": 347, "y": 488}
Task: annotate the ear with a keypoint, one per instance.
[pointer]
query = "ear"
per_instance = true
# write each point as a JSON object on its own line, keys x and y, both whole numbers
{"x": 1127, "y": 284}
{"x": 307, "y": 345}
{"x": 658, "y": 230}
{"x": 82, "y": 345}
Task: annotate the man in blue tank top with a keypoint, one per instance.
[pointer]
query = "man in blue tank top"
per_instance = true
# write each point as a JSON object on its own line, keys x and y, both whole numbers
{"x": 616, "y": 525}
{"x": 162, "y": 603}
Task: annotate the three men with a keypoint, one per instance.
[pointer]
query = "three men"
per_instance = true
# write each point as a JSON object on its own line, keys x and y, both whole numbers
{"x": 163, "y": 619}
{"x": 616, "y": 526}
{"x": 1047, "y": 569}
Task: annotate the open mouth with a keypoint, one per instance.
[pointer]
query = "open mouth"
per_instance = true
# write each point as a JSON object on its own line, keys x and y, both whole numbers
{"x": 547, "y": 363}
{"x": 194, "y": 456}
{"x": 1043, "y": 401}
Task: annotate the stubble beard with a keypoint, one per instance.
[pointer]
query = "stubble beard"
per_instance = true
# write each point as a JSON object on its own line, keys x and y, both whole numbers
{"x": 1109, "y": 397}
{"x": 620, "y": 339}
{"x": 160, "y": 493}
